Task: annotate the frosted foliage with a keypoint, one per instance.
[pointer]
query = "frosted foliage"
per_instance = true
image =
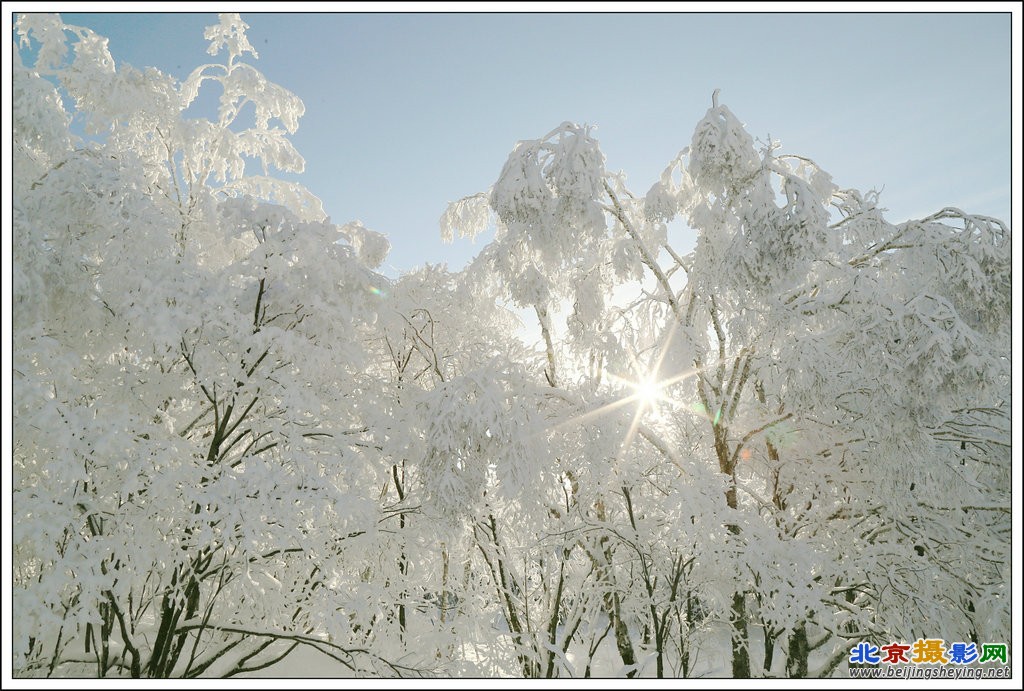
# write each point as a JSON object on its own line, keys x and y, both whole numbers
{"x": 762, "y": 233}
{"x": 782, "y": 239}
{"x": 632, "y": 210}
{"x": 240, "y": 451}
{"x": 552, "y": 183}
{"x": 521, "y": 194}
{"x": 44, "y": 138}
{"x": 142, "y": 111}
{"x": 530, "y": 287}
{"x": 133, "y": 492}
{"x": 808, "y": 191}
{"x": 722, "y": 154}
{"x": 977, "y": 260}
{"x": 661, "y": 203}
{"x": 468, "y": 217}
{"x": 271, "y": 101}
{"x": 186, "y": 355}
{"x": 549, "y": 203}
{"x": 431, "y": 305}
{"x": 371, "y": 247}
{"x": 714, "y": 247}
{"x": 469, "y": 433}
{"x": 520, "y": 271}
{"x": 292, "y": 195}
{"x": 818, "y": 375}
{"x": 669, "y": 196}
{"x": 229, "y": 35}
{"x": 626, "y": 260}
{"x": 48, "y": 30}
{"x": 589, "y": 304}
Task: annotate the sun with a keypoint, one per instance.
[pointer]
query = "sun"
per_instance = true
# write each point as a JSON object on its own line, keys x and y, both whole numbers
{"x": 648, "y": 392}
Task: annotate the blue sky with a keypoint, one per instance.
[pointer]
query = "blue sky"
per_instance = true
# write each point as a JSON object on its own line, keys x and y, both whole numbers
{"x": 407, "y": 112}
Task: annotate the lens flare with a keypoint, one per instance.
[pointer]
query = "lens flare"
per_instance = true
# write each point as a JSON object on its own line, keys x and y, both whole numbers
{"x": 648, "y": 392}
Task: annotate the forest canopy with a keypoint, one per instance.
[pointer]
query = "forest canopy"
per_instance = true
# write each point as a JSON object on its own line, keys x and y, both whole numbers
{"x": 236, "y": 443}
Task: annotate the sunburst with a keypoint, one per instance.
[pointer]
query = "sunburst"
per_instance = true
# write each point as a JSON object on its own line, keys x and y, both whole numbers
{"x": 647, "y": 391}
{"x": 650, "y": 391}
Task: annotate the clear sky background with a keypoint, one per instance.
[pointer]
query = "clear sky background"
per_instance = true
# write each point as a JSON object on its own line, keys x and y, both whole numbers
{"x": 406, "y": 112}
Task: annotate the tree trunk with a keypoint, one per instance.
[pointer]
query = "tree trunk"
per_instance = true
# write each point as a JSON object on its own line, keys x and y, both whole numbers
{"x": 796, "y": 661}
{"x": 738, "y": 617}
{"x": 622, "y": 641}
{"x": 612, "y": 602}
{"x": 769, "y": 650}
{"x": 740, "y": 640}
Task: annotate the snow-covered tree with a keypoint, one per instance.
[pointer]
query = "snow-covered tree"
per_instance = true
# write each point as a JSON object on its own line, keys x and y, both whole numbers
{"x": 189, "y": 480}
{"x": 234, "y": 439}
{"x": 821, "y": 359}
